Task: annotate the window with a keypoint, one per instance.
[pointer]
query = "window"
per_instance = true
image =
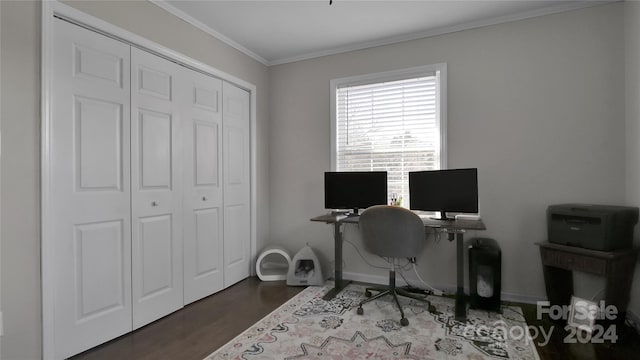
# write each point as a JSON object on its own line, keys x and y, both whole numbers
{"x": 392, "y": 121}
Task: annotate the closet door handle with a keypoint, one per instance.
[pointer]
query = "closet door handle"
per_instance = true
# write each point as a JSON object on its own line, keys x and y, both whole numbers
{"x": 204, "y": 198}
{"x": 154, "y": 203}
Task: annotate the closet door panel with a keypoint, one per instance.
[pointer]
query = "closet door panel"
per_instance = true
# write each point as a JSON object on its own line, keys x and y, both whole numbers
{"x": 100, "y": 282}
{"x": 155, "y": 137}
{"x": 206, "y": 152}
{"x": 98, "y": 144}
{"x": 203, "y": 215}
{"x": 156, "y": 194}
{"x": 236, "y": 169}
{"x": 89, "y": 189}
{"x": 208, "y": 243}
{"x": 156, "y": 251}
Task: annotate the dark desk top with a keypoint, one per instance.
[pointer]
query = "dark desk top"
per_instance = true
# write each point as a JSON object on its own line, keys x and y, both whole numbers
{"x": 428, "y": 222}
{"x": 460, "y": 224}
{"x": 331, "y": 219}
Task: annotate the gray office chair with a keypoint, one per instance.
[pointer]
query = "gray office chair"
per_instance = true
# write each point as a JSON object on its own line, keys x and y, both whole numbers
{"x": 393, "y": 232}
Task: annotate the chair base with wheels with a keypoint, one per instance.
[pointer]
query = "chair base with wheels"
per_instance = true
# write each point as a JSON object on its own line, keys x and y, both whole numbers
{"x": 396, "y": 233}
{"x": 393, "y": 291}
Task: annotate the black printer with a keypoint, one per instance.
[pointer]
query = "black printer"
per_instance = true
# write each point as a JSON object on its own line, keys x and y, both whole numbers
{"x": 596, "y": 227}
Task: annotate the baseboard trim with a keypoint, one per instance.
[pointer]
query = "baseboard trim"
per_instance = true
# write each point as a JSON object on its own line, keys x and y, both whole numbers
{"x": 447, "y": 289}
{"x": 369, "y": 279}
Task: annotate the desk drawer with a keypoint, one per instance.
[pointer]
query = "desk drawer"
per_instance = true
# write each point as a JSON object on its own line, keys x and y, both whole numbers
{"x": 575, "y": 262}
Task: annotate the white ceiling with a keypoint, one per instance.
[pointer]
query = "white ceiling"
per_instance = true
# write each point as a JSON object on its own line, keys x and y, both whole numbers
{"x": 276, "y": 32}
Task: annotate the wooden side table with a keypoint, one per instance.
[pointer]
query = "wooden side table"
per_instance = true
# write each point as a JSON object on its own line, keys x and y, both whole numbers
{"x": 558, "y": 262}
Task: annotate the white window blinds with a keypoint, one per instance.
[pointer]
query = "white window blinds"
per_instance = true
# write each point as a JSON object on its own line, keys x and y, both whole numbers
{"x": 391, "y": 126}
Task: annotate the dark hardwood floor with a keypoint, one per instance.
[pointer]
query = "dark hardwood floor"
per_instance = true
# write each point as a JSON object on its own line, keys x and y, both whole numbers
{"x": 200, "y": 328}
{"x": 567, "y": 345}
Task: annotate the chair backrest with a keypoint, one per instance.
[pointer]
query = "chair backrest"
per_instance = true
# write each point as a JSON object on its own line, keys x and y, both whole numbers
{"x": 392, "y": 231}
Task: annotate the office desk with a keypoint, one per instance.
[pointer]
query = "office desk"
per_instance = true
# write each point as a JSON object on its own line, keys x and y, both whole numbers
{"x": 454, "y": 229}
{"x": 337, "y": 222}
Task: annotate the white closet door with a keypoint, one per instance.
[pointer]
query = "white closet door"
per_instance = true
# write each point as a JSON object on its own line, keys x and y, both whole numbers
{"x": 202, "y": 133}
{"x": 156, "y": 183}
{"x": 89, "y": 189}
{"x": 236, "y": 170}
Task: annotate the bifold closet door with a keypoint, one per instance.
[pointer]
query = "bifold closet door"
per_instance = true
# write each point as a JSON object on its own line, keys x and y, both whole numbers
{"x": 202, "y": 133}
{"x": 89, "y": 187}
{"x": 236, "y": 174}
{"x": 148, "y": 188}
{"x": 156, "y": 188}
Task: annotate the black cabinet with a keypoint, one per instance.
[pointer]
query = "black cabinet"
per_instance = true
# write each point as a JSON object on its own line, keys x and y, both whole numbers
{"x": 617, "y": 267}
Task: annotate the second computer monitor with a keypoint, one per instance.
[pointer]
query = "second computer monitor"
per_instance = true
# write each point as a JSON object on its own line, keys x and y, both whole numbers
{"x": 452, "y": 190}
{"x": 354, "y": 190}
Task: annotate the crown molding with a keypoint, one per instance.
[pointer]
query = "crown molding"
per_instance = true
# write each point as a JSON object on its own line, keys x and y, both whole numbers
{"x": 576, "y": 5}
{"x": 446, "y": 30}
{"x": 198, "y": 24}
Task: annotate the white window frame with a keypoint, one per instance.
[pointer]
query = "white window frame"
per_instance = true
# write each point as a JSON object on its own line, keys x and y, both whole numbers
{"x": 414, "y": 72}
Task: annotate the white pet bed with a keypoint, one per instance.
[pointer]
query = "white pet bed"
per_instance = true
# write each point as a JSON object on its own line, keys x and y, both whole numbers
{"x": 273, "y": 264}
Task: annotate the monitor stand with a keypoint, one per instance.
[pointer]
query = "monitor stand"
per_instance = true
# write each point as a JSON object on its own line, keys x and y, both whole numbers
{"x": 443, "y": 217}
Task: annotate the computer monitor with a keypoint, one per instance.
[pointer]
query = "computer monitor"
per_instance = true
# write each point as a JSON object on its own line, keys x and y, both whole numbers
{"x": 354, "y": 190}
{"x": 452, "y": 190}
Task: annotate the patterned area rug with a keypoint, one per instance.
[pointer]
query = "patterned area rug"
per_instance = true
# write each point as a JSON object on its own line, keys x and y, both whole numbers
{"x": 307, "y": 327}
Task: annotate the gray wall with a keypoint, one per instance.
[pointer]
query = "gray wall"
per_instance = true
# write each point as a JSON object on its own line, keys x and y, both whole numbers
{"x": 537, "y": 105}
{"x": 632, "y": 76}
{"x": 20, "y": 47}
{"x": 20, "y": 180}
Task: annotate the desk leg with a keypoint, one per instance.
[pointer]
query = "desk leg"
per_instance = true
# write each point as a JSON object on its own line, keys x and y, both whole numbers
{"x": 339, "y": 282}
{"x": 559, "y": 285}
{"x": 461, "y": 303}
{"x": 619, "y": 280}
